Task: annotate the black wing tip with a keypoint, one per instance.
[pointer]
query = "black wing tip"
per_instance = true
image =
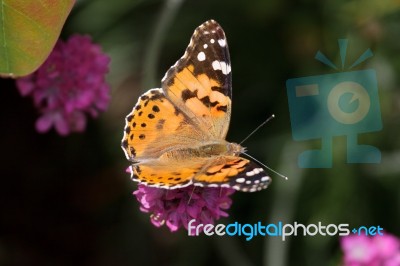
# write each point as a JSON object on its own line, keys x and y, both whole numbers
{"x": 211, "y": 22}
{"x": 210, "y": 25}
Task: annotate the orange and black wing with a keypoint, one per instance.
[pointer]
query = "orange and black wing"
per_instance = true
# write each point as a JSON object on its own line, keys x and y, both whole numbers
{"x": 226, "y": 171}
{"x": 233, "y": 172}
{"x": 200, "y": 83}
{"x": 154, "y": 126}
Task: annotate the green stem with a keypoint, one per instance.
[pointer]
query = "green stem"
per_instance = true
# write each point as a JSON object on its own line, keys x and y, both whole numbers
{"x": 152, "y": 54}
{"x": 276, "y": 250}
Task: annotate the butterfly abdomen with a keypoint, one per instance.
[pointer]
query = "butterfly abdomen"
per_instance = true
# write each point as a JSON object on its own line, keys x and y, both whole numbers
{"x": 204, "y": 151}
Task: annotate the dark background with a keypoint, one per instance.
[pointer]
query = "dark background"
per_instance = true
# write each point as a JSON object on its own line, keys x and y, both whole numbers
{"x": 67, "y": 200}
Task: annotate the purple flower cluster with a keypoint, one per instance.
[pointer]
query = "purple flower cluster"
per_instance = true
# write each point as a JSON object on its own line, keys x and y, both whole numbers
{"x": 177, "y": 207}
{"x": 380, "y": 250}
{"x": 69, "y": 85}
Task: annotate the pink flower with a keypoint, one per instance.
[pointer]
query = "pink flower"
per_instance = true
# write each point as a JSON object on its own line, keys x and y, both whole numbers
{"x": 380, "y": 250}
{"x": 386, "y": 245}
{"x": 176, "y": 207}
{"x": 358, "y": 250}
{"x": 69, "y": 85}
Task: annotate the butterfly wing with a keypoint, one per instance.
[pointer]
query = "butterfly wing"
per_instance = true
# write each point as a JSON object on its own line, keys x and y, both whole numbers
{"x": 233, "y": 172}
{"x": 199, "y": 84}
{"x": 226, "y": 171}
{"x": 194, "y": 104}
{"x": 166, "y": 175}
{"x": 154, "y": 126}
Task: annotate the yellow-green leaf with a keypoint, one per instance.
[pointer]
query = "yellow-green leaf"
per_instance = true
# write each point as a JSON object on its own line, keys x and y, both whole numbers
{"x": 29, "y": 30}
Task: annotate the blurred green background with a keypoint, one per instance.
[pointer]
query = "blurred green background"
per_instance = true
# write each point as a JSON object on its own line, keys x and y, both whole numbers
{"x": 67, "y": 200}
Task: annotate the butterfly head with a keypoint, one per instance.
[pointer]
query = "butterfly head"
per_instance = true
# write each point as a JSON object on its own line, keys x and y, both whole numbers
{"x": 235, "y": 149}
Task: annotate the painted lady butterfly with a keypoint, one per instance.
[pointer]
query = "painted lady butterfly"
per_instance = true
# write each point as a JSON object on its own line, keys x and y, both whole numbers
{"x": 175, "y": 136}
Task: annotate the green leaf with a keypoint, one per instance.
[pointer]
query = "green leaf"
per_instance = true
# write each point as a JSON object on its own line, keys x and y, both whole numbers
{"x": 29, "y": 30}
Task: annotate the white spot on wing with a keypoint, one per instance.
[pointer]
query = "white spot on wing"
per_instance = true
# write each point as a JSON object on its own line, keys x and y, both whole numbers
{"x": 220, "y": 65}
{"x": 222, "y": 42}
{"x": 240, "y": 180}
{"x": 201, "y": 56}
{"x": 265, "y": 178}
{"x": 205, "y": 46}
{"x": 212, "y": 41}
{"x": 254, "y": 172}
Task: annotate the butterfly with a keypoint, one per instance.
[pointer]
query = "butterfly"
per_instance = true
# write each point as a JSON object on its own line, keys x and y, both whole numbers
{"x": 175, "y": 135}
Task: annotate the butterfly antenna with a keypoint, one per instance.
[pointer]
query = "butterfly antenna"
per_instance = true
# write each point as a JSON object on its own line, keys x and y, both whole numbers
{"x": 272, "y": 170}
{"x": 257, "y": 128}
